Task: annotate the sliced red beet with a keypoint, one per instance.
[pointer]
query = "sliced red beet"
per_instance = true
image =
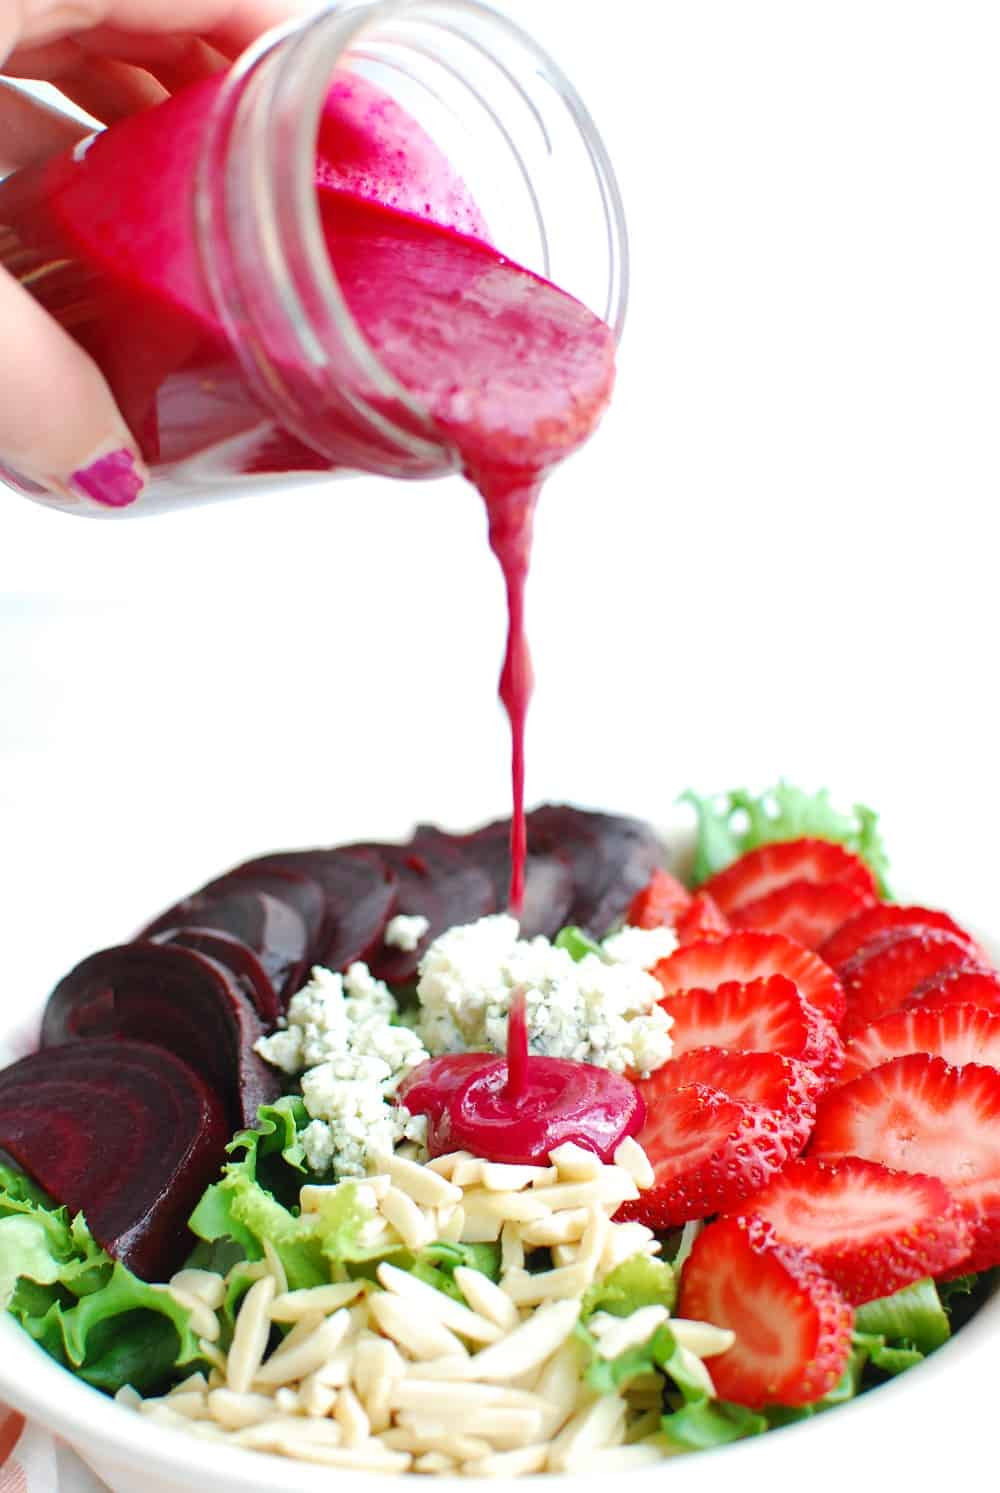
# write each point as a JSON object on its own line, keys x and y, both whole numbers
{"x": 174, "y": 998}
{"x": 123, "y": 1132}
{"x": 294, "y": 886}
{"x": 360, "y": 898}
{"x": 611, "y": 858}
{"x": 548, "y": 880}
{"x": 434, "y": 881}
{"x": 239, "y": 959}
{"x": 274, "y": 929}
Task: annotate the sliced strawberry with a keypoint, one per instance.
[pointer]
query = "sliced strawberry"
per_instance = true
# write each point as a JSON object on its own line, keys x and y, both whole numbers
{"x": 959, "y": 1034}
{"x": 878, "y": 980}
{"x": 792, "y": 1326}
{"x": 804, "y": 910}
{"x": 958, "y": 987}
{"x": 662, "y": 900}
{"x": 702, "y": 918}
{"x": 766, "y": 1015}
{"x": 764, "y": 1078}
{"x": 765, "y": 869}
{"x": 919, "y": 1114}
{"x": 871, "y": 1229}
{"x": 887, "y": 919}
{"x": 708, "y": 1152}
{"x": 753, "y": 956}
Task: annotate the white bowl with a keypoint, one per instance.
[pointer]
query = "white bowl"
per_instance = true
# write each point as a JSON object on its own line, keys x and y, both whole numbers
{"x": 918, "y": 1429}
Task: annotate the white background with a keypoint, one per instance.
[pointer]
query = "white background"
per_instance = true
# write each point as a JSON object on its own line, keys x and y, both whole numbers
{"x": 776, "y": 557}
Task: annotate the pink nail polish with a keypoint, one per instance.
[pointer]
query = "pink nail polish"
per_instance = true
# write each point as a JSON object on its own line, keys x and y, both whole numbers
{"x": 113, "y": 480}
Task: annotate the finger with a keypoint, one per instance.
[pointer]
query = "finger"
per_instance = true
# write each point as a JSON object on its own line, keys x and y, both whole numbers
{"x": 59, "y": 426}
{"x": 111, "y": 90}
{"x": 229, "y": 24}
{"x": 32, "y": 131}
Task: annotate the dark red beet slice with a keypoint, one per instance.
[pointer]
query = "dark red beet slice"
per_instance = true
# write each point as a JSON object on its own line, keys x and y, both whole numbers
{"x": 287, "y": 884}
{"x": 175, "y": 998}
{"x": 360, "y": 899}
{"x": 122, "y": 1131}
{"x": 239, "y": 959}
{"x": 434, "y": 881}
{"x": 275, "y": 930}
{"x": 611, "y": 858}
{"x": 548, "y": 881}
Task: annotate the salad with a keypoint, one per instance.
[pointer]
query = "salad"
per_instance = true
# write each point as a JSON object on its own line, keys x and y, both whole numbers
{"x": 659, "y": 1167}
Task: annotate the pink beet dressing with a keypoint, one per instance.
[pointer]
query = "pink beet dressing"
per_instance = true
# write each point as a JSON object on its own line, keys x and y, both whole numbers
{"x": 514, "y": 372}
{"x": 520, "y": 1107}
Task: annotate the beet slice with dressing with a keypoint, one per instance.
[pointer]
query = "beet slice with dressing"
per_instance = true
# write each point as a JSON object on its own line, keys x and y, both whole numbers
{"x": 548, "y": 880}
{"x": 272, "y": 927}
{"x": 175, "y": 998}
{"x": 296, "y": 887}
{"x": 240, "y": 960}
{"x": 360, "y": 898}
{"x": 123, "y": 1132}
{"x": 611, "y": 857}
{"x": 434, "y": 881}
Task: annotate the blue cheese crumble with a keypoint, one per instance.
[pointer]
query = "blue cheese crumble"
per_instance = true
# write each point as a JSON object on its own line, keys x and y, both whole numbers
{"x": 593, "y": 1010}
{"x": 339, "y": 1036}
{"x": 342, "y": 1035}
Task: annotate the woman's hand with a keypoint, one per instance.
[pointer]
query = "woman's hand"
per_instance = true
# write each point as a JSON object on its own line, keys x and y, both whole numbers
{"x": 59, "y": 425}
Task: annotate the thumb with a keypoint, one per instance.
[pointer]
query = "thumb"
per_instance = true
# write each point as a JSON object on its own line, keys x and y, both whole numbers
{"x": 60, "y": 429}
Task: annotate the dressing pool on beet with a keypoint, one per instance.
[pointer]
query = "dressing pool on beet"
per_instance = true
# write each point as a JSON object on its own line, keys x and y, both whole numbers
{"x": 513, "y": 372}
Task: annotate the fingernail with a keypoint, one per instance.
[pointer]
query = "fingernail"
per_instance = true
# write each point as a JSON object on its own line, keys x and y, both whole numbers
{"x": 115, "y": 479}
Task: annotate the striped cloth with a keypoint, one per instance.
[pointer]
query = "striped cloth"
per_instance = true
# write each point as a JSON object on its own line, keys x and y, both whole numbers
{"x": 32, "y": 1461}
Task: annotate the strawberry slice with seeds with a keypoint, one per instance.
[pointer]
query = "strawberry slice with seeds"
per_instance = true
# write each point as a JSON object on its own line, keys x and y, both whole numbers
{"x": 959, "y": 1034}
{"x": 919, "y": 1114}
{"x": 769, "y": 867}
{"x": 807, "y": 911}
{"x": 958, "y": 987}
{"x": 765, "y": 1078}
{"x": 660, "y": 903}
{"x": 871, "y": 1229}
{"x": 878, "y": 980}
{"x": 702, "y": 918}
{"x": 792, "y": 1326}
{"x": 753, "y": 956}
{"x": 890, "y": 922}
{"x": 767, "y": 1015}
{"x": 708, "y": 1151}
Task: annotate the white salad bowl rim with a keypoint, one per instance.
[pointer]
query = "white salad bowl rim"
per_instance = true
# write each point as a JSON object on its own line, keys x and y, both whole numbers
{"x": 895, "y": 1429}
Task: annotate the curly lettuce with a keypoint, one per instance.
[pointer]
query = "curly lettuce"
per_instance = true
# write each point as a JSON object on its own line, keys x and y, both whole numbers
{"x": 730, "y": 824}
{"x": 85, "y": 1309}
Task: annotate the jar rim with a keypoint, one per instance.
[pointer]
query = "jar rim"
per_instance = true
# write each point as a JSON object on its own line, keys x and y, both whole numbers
{"x": 321, "y": 39}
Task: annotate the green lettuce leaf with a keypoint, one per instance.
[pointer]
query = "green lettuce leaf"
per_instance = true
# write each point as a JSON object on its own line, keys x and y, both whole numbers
{"x": 640, "y": 1281}
{"x": 913, "y": 1317}
{"x": 578, "y": 944}
{"x": 706, "y": 1423}
{"x": 86, "y": 1310}
{"x": 729, "y": 824}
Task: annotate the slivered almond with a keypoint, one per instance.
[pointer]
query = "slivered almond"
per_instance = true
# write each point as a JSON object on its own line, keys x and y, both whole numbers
{"x": 449, "y": 1313}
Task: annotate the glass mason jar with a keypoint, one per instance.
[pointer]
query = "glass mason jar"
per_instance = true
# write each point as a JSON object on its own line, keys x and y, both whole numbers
{"x": 184, "y": 248}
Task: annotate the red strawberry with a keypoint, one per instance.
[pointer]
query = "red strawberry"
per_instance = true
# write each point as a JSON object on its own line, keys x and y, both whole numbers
{"x": 804, "y": 910}
{"x": 959, "y": 1034}
{"x": 887, "y": 919}
{"x": 878, "y": 980}
{"x": 958, "y": 987}
{"x": 702, "y": 918}
{"x": 792, "y": 1326}
{"x": 762, "y": 1016}
{"x": 872, "y": 1230}
{"x": 919, "y": 1114}
{"x": 771, "y": 866}
{"x": 708, "y": 1152}
{"x": 662, "y": 900}
{"x": 764, "y": 1078}
{"x": 753, "y": 956}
